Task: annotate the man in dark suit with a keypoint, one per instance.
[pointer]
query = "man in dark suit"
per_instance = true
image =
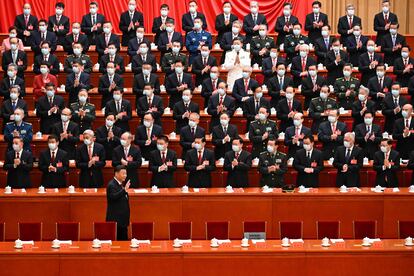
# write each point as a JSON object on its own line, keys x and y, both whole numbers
{"x": 404, "y": 67}
{"x": 362, "y": 105}
{"x": 311, "y": 85}
{"x": 347, "y": 22}
{"x": 331, "y": 134}
{"x": 25, "y": 24}
{"x": 48, "y": 108}
{"x": 167, "y": 37}
{"x": 383, "y": 20}
{"x": 118, "y": 203}
{"x": 386, "y": 164}
{"x": 277, "y": 85}
{"x": 92, "y": 23}
{"x": 220, "y": 103}
{"x": 226, "y": 42}
{"x": 368, "y": 63}
{"x": 356, "y": 45}
{"x": 392, "y": 44}
{"x": 308, "y": 162}
{"x": 143, "y": 56}
{"x": 144, "y": 78}
{"x": 210, "y": 84}
{"x": 68, "y": 133}
{"x": 18, "y": 165}
{"x": 392, "y": 107}
{"x": 121, "y": 108}
{"x": 348, "y": 161}
{"x": 187, "y": 20}
{"x": 253, "y": 104}
{"x": 163, "y": 164}
{"x": 368, "y": 135}
{"x": 18, "y": 128}
{"x": 202, "y": 65}
{"x": 199, "y": 162}
{"x": 169, "y": 59}
{"x": 129, "y": 21}
{"x": 183, "y": 109}
{"x": 177, "y": 82}
{"x": 403, "y": 132}
{"x": 237, "y": 163}
{"x": 222, "y": 136}
{"x": 190, "y": 132}
{"x": 224, "y": 21}
{"x": 90, "y": 159}
{"x": 135, "y": 43}
{"x": 76, "y": 37}
{"x": 335, "y": 62}
{"x": 48, "y": 59}
{"x": 10, "y": 105}
{"x": 314, "y": 22}
{"x": 294, "y": 134}
{"x": 12, "y": 80}
{"x": 108, "y": 135}
{"x": 269, "y": 64}
{"x": 112, "y": 56}
{"x": 146, "y": 135}
{"x": 323, "y": 44}
{"x": 300, "y": 65}
{"x": 53, "y": 163}
{"x": 42, "y": 35}
{"x": 129, "y": 156}
{"x": 108, "y": 82}
{"x": 252, "y": 21}
{"x": 243, "y": 87}
{"x": 379, "y": 85}
{"x": 150, "y": 103}
{"x": 15, "y": 56}
{"x": 287, "y": 108}
{"x": 76, "y": 81}
{"x": 107, "y": 37}
{"x": 59, "y": 23}
{"x": 284, "y": 23}
{"x": 160, "y": 23}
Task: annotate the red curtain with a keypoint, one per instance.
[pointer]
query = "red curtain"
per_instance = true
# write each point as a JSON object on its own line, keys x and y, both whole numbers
{"x": 75, "y": 9}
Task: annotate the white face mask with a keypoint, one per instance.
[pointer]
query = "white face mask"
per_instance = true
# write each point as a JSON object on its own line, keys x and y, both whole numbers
{"x": 395, "y": 92}
{"x": 82, "y": 99}
{"x": 147, "y": 124}
{"x": 237, "y": 47}
{"x": 110, "y": 71}
{"x": 204, "y": 54}
{"x": 26, "y": 11}
{"x": 312, "y": 73}
{"x": 147, "y": 93}
{"x": 64, "y": 118}
{"x": 361, "y": 97}
{"x": 112, "y": 52}
{"x": 160, "y": 147}
{"x": 273, "y": 54}
{"x": 11, "y": 74}
{"x": 307, "y": 147}
{"x": 371, "y": 48}
{"x": 286, "y": 12}
{"x": 192, "y": 9}
{"x": 124, "y": 143}
{"x": 258, "y": 95}
{"x": 75, "y": 70}
{"x": 109, "y": 123}
{"x": 59, "y": 11}
{"x": 336, "y": 49}
{"x": 13, "y": 96}
{"x": 347, "y": 144}
{"x": 176, "y": 50}
{"x": 351, "y": 12}
{"x": 281, "y": 72}
{"x": 45, "y": 51}
{"x": 197, "y": 26}
{"x": 235, "y": 30}
{"x": 245, "y": 75}
{"x": 76, "y": 31}
{"x": 393, "y": 31}
{"x": 226, "y": 10}
{"x": 325, "y": 33}
{"x": 192, "y": 123}
{"x": 296, "y": 32}
{"x": 140, "y": 35}
{"x": 16, "y": 147}
{"x": 143, "y": 50}
{"x": 357, "y": 33}
{"x": 385, "y": 9}
{"x": 117, "y": 97}
{"x": 146, "y": 72}
{"x": 52, "y": 146}
{"x": 164, "y": 13}
{"x": 42, "y": 28}
{"x": 235, "y": 148}
{"x": 368, "y": 121}
{"x": 186, "y": 98}
{"x": 316, "y": 10}
{"x": 380, "y": 74}
{"x": 87, "y": 142}
{"x": 262, "y": 116}
{"x": 93, "y": 10}
{"x": 77, "y": 51}
{"x": 323, "y": 95}
{"x": 50, "y": 93}
{"x": 12, "y": 35}
{"x": 404, "y": 54}
{"x": 332, "y": 119}
{"x": 44, "y": 71}
{"x": 262, "y": 33}
{"x": 221, "y": 91}
{"x": 254, "y": 10}
{"x": 347, "y": 74}
{"x": 197, "y": 146}
{"x": 384, "y": 149}
{"x": 17, "y": 118}
{"x": 169, "y": 29}
{"x": 132, "y": 7}
{"x": 297, "y": 122}
{"x": 178, "y": 70}
{"x": 289, "y": 96}
{"x": 270, "y": 149}
{"x": 224, "y": 122}
{"x": 213, "y": 75}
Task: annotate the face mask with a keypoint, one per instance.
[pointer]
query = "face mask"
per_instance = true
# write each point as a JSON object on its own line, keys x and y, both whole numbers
{"x": 213, "y": 76}
{"x": 347, "y": 144}
{"x": 64, "y": 118}
{"x": 59, "y": 11}
{"x": 92, "y": 10}
{"x": 143, "y": 50}
{"x": 204, "y": 53}
{"x": 147, "y": 93}
{"x": 45, "y": 51}
{"x": 16, "y": 147}
{"x": 192, "y": 9}
{"x": 235, "y": 148}
{"x": 235, "y": 30}
{"x": 226, "y": 10}
{"x": 296, "y": 32}
{"x": 245, "y": 75}
{"x": 42, "y": 28}
{"x": 197, "y": 26}
{"x": 297, "y": 122}
{"x": 258, "y": 95}
{"x": 82, "y": 99}
{"x": 147, "y": 124}
{"x": 384, "y": 149}
{"x": 286, "y": 12}
{"x": 270, "y": 149}
{"x": 335, "y": 49}
{"x": 12, "y": 35}
{"x": 371, "y": 49}
{"x": 13, "y": 96}
{"x": 140, "y": 35}
{"x": 178, "y": 70}
{"x": 385, "y": 9}
{"x": 393, "y": 31}
{"x": 164, "y": 13}
{"x": 307, "y": 147}
{"x": 262, "y": 116}
{"x": 312, "y": 73}
{"x": 13, "y": 47}
{"x": 289, "y": 96}
{"x": 221, "y": 91}
{"x": 26, "y": 11}
{"x": 357, "y": 33}
{"x": 273, "y": 54}
{"x": 146, "y": 72}
{"x": 395, "y": 93}
{"x": 380, "y": 74}
{"x": 186, "y": 98}
{"x": 323, "y": 95}
{"x": 351, "y": 12}
{"x": 192, "y": 123}
{"x": 237, "y": 47}
{"x": 77, "y": 51}
{"x": 197, "y": 146}
{"x": 131, "y": 7}
{"x": 254, "y": 10}
{"x": 76, "y": 31}
{"x": 11, "y": 74}
{"x": 176, "y": 50}
{"x": 169, "y": 29}
{"x": 281, "y": 72}
{"x": 52, "y": 146}
{"x": 325, "y": 33}
{"x": 112, "y": 52}
{"x": 332, "y": 119}
{"x": 87, "y": 142}
{"x": 224, "y": 122}
{"x": 17, "y": 118}
{"x": 75, "y": 70}
{"x": 43, "y": 71}
{"x": 123, "y": 143}
{"x": 404, "y": 114}
{"x": 404, "y": 54}
{"x": 262, "y": 33}
{"x": 160, "y": 147}
{"x": 361, "y": 97}
{"x": 110, "y": 71}
{"x": 347, "y": 74}
{"x": 109, "y": 123}
{"x": 50, "y": 93}
{"x": 117, "y": 97}
{"x": 315, "y": 10}
{"x": 368, "y": 121}
{"x": 303, "y": 54}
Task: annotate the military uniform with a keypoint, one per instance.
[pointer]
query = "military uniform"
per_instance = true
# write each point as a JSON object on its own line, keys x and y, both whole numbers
{"x": 341, "y": 86}
{"x": 86, "y": 122}
{"x": 169, "y": 59}
{"x": 256, "y": 131}
{"x": 192, "y": 42}
{"x": 272, "y": 179}
{"x": 257, "y": 44}
{"x": 291, "y": 41}
{"x": 85, "y": 59}
{"x": 25, "y": 131}
{"x": 318, "y": 106}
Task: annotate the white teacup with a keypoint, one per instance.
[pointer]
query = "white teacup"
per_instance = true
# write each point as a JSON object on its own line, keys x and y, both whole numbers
{"x": 8, "y": 190}
{"x": 285, "y": 242}
{"x": 343, "y": 189}
{"x": 71, "y": 189}
{"x": 214, "y": 242}
{"x": 184, "y": 189}
{"x": 378, "y": 189}
{"x": 42, "y": 189}
{"x": 366, "y": 242}
{"x": 55, "y": 243}
{"x": 18, "y": 243}
{"x": 134, "y": 243}
{"x": 229, "y": 189}
{"x": 409, "y": 241}
{"x": 325, "y": 242}
{"x": 96, "y": 243}
{"x": 411, "y": 189}
{"x": 177, "y": 243}
{"x": 245, "y": 242}
{"x": 154, "y": 189}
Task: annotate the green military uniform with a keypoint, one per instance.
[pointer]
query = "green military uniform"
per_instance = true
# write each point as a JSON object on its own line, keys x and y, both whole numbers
{"x": 341, "y": 86}
{"x": 85, "y": 122}
{"x": 256, "y": 130}
{"x": 291, "y": 41}
{"x": 272, "y": 179}
{"x": 316, "y": 107}
{"x": 257, "y": 44}
{"x": 85, "y": 59}
{"x": 169, "y": 59}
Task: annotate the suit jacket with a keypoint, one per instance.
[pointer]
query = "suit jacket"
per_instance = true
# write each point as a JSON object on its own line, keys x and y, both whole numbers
{"x": 239, "y": 90}
{"x": 282, "y": 111}
{"x": 226, "y": 42}
{"x": 141, "y": 136}
{"x": 42, "y": 109}
{"x": 374, "y": 88}
{"x": 84, "y": 82}
{"x": 125, "y": 21}
{"x": 248, "y": 25}
{"x": 171, "y": 84}
{"x": 133, "y": 46}
{"x": 238, "y": 176}
{"x": 101, "y": 43}
{"x": 315, "y": 33}
{"x": 296, "y": 68}
{"x": 387, "y": 47}
{"x": 142, "y": 108}
{"x": 117, "y": 208}
{"x": 369, "y": 146}
{"x": 70, "y": 39}
{"x": 61, "y": 163}
{"x": 137, "y": 63}
{"x": 118, "y": 61}
{"x": 403, "y": 77}
{"x": 405, "y": 145}
{"x": 335, "y": 70}
{"x": 324, "y": 136}
{"x": 188, "y": 24}
{"x": 388, "y": 107}
{"x": 228, "y": 103}
{"x": 350, "y": 178}
{"x": 366, "y": 72}
{"x": 356, "y": 111}
{"x": 90, "y": 177}
{"x": 7, "y": 109}
{"x": 21, "y": 62}
{"x": 198, "y": 66}
{"x": 39, "y": 82}
{"x": 274, "y": 88}
{"x": 207, "y": 89}
{"x": 267, "y": 66}
{"x": 156, "y": 24}
{"x": 5, "y": 87}
{"x": 388, "y": 177}
{"x": 139, "y": 83}
{"x": 379, "y": 25}
{"x": 308, "y": 88}
{"x": 25, "y": 131}
{"x": 67, "y": 144}
{"x": 86, "y": 27}
{"x": 221, "y": 26}
{"x": 343, "y": 26}
{"x": 125, "y": 107}
{"x": 301, "y": 161}
{"x": 53, "y": 64}
{"x": 163, "y": 41}
{"x": 280, "y": 24}
{"x": 164, "y": 179}
{"x": 221, "y": 147}
{"x": 187, "y": 138}
{"x": 321, "y": 50}
{"x": 105, "y": 83}
{"x": 250, "y": 111}
{"x": 199, "y": 178}
{"x": 63, "y": 27}
{"x": 109, "y": 144}
{"x": 134, "y": 160}
{"x": 354, "y": 52}
{"x": 36, "y": 40}
{"x": 19, "y": 176}
{"x": 290, "y": 134}
{"x": 21, "y": 26}
{"x": 276, "y": 178}
{"x": 178, "y": 111}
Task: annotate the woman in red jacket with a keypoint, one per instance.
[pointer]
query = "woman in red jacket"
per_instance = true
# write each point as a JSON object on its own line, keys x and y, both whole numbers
{"x": 43, "y": 78}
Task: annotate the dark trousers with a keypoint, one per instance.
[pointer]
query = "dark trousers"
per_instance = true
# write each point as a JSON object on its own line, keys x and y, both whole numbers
{"x": 122, "y": 233}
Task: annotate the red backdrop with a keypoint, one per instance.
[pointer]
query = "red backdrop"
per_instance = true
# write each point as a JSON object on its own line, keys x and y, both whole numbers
{"x": 112, "y": 10}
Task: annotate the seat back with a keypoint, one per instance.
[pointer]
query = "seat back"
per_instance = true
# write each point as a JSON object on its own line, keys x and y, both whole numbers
{"x": 327, "y": 229}
{"x": 217, "y": 229}
{"x": 142, "y": 230}
{"x": 104, "y": 230}
{"x": 405, "y": 229}
{"x": 29, "y": 231}
{"x": 364, "y": 229}
{"x": 68, "y": 231}
{"x": 291, "y": 229}
{"x": 180, "y": 230}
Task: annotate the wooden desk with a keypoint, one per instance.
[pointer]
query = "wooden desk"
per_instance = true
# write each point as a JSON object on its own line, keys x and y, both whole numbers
{"x": 198, "y": 258}
{"x": 212, "y": 205}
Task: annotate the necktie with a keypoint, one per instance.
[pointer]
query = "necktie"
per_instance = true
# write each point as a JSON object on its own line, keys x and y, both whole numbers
{"x": 327, "y": 43}
{"x": 363, "y": 104}
{"x": 368, "y": 129}
{"x": 380, "y": 84}
{"x": 93, "y": 20}
{"x": 107, "y": 40}
{"x": 57, "y": 19}
{"x": 407, "y": 125}
{"x": 303, "y": 64}
{"x": 193, "y": 131}
{"x": 290, "y": 105}
{"x": 386, "y": 18}
{"x": 225, "y": 131}
{"x": 221, "y": 100}
{"x": 131, "y": 16}
{"x": 393, "y": 40}
{"x": 371, "y": 57}
{"x": 348, "y": 154}
{"x": 273, "y": 61}
{"x": 281, "y": 83}
{"x": 169, "y": 37}
{"x": 45, "y": 58}
{"x": 237, "y": 155}
{"x": 297, "y": 133}
{"x": 163, "y": 157}
{"x": 146, "y": 79}
{"x": 43, "y": 37}
{"x": 396, "y": 102}
{"x": 118, "y": 106}
{"x": 14, "y": 105}
{"x": 179, "y": 79}
{"x": 14, "y": 56}
{"x": 204, "y": 61}
{"x": 214, "y": 84}
{"x": 51, "y": 102}
{"x": 350, "y": 22}
{"x": 333, "y": 128}
{"x": 144, "y": 58}
{"x": 308, "y": 155}
{"x": 26, "y": 20}
{"x": 17, "y": 155}
{"x": 126, "y": 152}
{"x": 286, "y": 20}
{"x": 200, "y": 158}
{"x": 316, "y": 17}
{"x": 148, "y": 133}
{"x": 90, "y": 152}
{"x": 76, "y": 38}
{"x": 149, "y": 102}
{"x": 257, "y": 107}
{"x": 65, "y": 126}
{"x": 186, "y": 106}
{"x": 52, "y": 159}
{"x": 254, "y": 19}
{"x": 313, "y": 81}
{"x": 405, "y": 62}
{"x": 246, "y": 85}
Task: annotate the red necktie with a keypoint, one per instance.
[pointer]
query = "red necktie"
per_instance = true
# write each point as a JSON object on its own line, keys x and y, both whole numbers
{"x": 163, "y": 157}
{"x": 297, "y": 132}
{"x": 221, "y": 100}
{"x": 17, "y": 155}
{"x": 246, "y": 85}
{"x": 237, "y": 155}
{"x": 52, "y": 159}
{"x": 193, "y": 131}
{"x": 303, "y": 65}
{"x": 290, "y": 105}
{"x": 76, "y": 38}
{"x": 200, "y": 158}
{"x": 26, "y": 20}
{"x": 386, "y": 18}
{"x": 406, "y": 124}
{"x": 149, "y": 102}
{"x": 350, "y": 22}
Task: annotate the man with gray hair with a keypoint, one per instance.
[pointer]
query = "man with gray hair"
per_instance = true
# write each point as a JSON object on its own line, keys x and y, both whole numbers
{"x": 348, "y": 161}
{"x": 18, "y": 128}
{"x": 9, "y": 106}
{"x": 362, "y": 105}
{"x": 10, "y": 80}
{"x": 300, "y": 64}
{"x": 68, "y": 133}
{"x": 190, "y": 132}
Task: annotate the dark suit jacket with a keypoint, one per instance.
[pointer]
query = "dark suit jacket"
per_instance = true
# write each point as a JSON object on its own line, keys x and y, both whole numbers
{"x": 307, "y": 89}
{"x": 7, "y": 109}
{"x": 405, "y": 145}
{"x": 61, "y": 163}
{"x": 353, "y": 51}
{"x": 101, "y": 43}
{"x": 70, "y": 39}
{"x": 137, "y": 63}
{"x": 207, "y": 89}
{"x": 379, "y": 25}
{"x": 90, "y": 177}
{"x": 21, "y": 62}
{"x": 387, "y": 177}
{"x": 84, "y": 82}
{"x": 53, "y": 64}
{"x": 133, "y": 46}
{"x": 125, "y": 106}
{"x": 139, "y": 83}
{"x": 335, "y": 70}
{"x": 109, "y": 145}
{"x": 387, "y": 47}
{"x": 374, "y": 88}
{"x": 18, "y": 177}
{"x": 343, "y": 26}
{"x": 350, "y": 178}
{"x": 356, "y": 111}
{"x": 249, "y": 108}
{"x": 86, "y": 26}
{"x": 163, "y": 41}
{"x": 290, "y": 134}
{"x": 315, "y": 33}
{"x": 321, "y": 50}
{"x": 267, "y": 66}
{"x": 117, "y": 204}
{"x": 141, "y": 137}
{"x": 403, "y": 77}
{"x": 296, "y": 68}
{"x": 118, "y": 61}
{"x": 63, "y": 27}
{"x": 280, "y": 23}
{"x": 324, "y": 136}
{"x": 388, "y": 107}
{"x": 164, "y": 179}
{"x": 199, "y": 178}
{"x": 248, "y": 25}
{"x": 188, "y": 24}
{"x": 239, "y": 91}
{"x": 5, "y": 86}
{"x": 239, "y": 175}
{"x": 171, "y": 84}
{"x": 104, "y": 85}
{"x": 42, "y": 108}
{"x": 282, "y": 111}
{"x": 228, "y": 103}
{"x": 125, "y": 20}
{"x": 369, "y": 146}
{"x": 156, "y": 24}
{"x": 301, "y": 161}
{"x": 227, "y": 41}
{"x": 134, "y": 160}
{"x": 68, "y": 144}
{"x": 198, "y": 66}
{"x": 178, "y": 111}
{"x": 142, "y": 108}
{"x": 187, "y": 138}
{"x": 36, "y": 40}
{"x": 221, "y": 26}
{"x": 363, "y": 67}
{"x": 218, "y": 135}
{"x": 20, "y": 24}
{"x": 273, "y": 87}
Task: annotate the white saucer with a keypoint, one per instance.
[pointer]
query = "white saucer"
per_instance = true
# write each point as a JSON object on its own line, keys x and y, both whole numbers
{"x": 245, "y": 245}
{"x": 55, "y": 246}
{"x": 325, "y": 245}
{"x": 214, "y": 246}
{"x": 134, "y": 246}
{"x": 409, "y": 244}
{"x": 177, "y": 245}
{"x": 96, "y": 246}
{"x": 285, "y": 245}
{"x": 18, "y": 247}
{"x": 366, "y": 244}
